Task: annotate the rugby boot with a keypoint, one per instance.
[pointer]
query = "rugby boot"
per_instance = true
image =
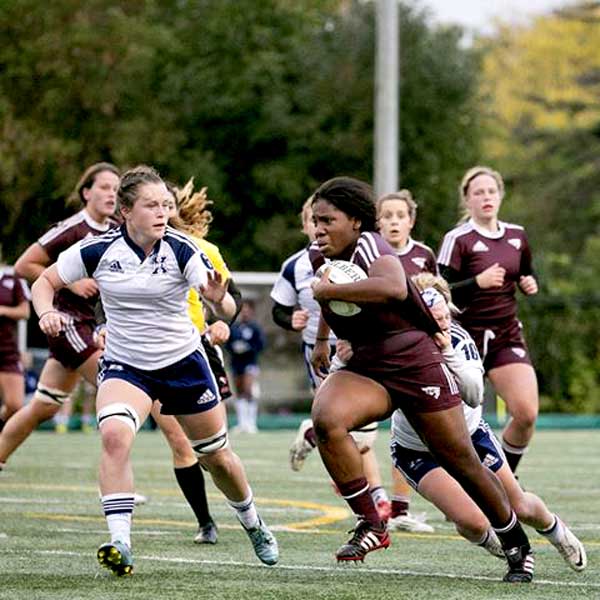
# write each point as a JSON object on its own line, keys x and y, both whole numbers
{"x": 207, "y": 533}
{"x": 366, "y": 538}
{"x": 300, "y": 447}
{"x": 520, "y": 564}
{"x": 264, "y": 543}
{"x": 571, "y": 549}
{"x": 117, "y": 557}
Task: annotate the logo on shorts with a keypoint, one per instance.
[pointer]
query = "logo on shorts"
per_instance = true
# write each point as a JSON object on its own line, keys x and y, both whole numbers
{"x": 207, "y": 397}
{"x": 432, "y": 390}
{"x": 515, "y": 243}
{"x": 115, "y": 367}
{"x": 489, "y": 460}
{"x": 519, "y": 352}
{"x": 115, "y": 267}
{"x": 479, "y": 246}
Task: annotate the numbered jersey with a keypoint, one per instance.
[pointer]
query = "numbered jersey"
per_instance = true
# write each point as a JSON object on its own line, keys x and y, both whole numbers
{"x": 144, "y": 297}
{"x": 466, "y": 366}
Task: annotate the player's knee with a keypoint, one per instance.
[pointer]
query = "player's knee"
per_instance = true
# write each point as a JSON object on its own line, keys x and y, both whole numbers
{"x": 50, "y": 395}
{"x": 207, "y": 448}
{"x": 471, "y": 527}
{"x": 117, "y": 412}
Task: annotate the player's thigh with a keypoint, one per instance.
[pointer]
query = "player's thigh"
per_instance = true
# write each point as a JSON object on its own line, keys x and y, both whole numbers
{"x": 54, "y": 375}
{"x": 119, "y": 391}
{"x": 444, "y": 492}
{"x": 12, "y": 389}
{"x": 204, "y": 425}
{"x": 349, "y": 400}
{"x": 516, "y": 384}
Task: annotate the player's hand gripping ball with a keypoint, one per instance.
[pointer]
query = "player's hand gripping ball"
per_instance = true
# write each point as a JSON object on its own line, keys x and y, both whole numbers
{"x": 343, "y": 271}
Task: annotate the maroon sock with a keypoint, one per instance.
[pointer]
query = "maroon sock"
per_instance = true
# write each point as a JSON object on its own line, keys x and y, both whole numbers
{"x": 356, "y": 494}
{"x": 399, "y": 508}
{"x": 310, "y": 436}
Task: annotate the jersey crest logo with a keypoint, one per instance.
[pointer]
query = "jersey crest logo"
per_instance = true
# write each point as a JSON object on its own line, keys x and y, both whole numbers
{"x": 432, "y": 390}
{"x": 115, "y": 267}
{"x": 519, "y": 352}
{"x": 515, "y": 243}
{"x": 479, "y": 246}
{"x": 207, "y": 397}
{"x": 419, "y": 261}
{"x": 159, "y": 261}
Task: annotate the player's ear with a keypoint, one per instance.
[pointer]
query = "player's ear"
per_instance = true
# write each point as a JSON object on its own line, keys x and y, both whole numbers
{"x": 357, "y": 223}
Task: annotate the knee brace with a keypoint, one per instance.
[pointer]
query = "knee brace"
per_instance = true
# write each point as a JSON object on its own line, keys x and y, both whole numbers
{"x": 122, "y": 412}
{"x": 215, "y": 442}
{"x": 50, "y": 395}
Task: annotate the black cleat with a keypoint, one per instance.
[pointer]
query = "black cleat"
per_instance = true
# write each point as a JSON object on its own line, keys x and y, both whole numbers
{"x": 520, "y": 564}
{"x": 366, "y": 539}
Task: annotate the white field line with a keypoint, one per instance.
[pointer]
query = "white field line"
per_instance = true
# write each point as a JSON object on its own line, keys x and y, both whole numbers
{"x": 334, "y": 569}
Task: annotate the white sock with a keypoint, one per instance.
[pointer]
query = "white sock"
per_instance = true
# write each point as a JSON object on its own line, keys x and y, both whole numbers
{"x": 118, "y": 510}
{"x": 241, "y": 412}
{"x": 246, "y": 512}
{"x": 379, "y": 494}
{"x": 490, "y": 542}
{"x": 556, "y": 532}
{"x": 252, "y": 413}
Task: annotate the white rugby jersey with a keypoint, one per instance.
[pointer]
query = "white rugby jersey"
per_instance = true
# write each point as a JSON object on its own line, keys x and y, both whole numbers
{"x": 467, "y": 367}
{"x": 292, "y": 288}
{"x": 144, "y": 297}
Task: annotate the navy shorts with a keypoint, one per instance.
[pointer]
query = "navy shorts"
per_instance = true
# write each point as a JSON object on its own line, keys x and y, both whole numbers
{"x": 415, "y": 465}
{"x": 183, "y": 388}
{"x": 315, "y": 380}
{"x": 74, "y": 344}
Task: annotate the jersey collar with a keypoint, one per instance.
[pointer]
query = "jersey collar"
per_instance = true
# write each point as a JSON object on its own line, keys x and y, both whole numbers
{"x": 94, "y": 224}
{"x": 407, "y": 248}
{"x": 492, "y": 235}
{"x": 138, "y": 251}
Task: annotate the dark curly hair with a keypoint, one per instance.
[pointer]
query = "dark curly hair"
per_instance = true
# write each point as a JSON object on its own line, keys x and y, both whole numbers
{"x": 351, "y": 196}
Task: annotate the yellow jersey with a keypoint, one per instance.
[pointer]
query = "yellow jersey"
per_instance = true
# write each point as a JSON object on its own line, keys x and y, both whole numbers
{"x": 195, "y": 306}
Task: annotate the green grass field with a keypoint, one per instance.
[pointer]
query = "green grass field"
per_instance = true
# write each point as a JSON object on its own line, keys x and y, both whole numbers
{"x": 51, "y": 524}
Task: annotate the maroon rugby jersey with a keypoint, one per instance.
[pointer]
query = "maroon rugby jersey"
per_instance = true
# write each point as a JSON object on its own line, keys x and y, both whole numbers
{"x": 13, "y": 291}
{"x": 59, "y": 238}
{"x": 468, "y": 250}
{"x": 417, "y": 258}
{"x": 398, "y": 332}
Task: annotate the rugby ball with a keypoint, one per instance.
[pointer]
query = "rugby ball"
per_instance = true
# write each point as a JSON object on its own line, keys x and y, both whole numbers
{"x": 343, "y": 271}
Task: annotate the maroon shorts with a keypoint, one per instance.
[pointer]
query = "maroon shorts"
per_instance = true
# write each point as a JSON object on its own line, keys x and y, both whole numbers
{"x": 501, "y": 345}
{"x": 429, "y": 389}
{"x": 10, "y": 362}
{"x": 74, "y": 345}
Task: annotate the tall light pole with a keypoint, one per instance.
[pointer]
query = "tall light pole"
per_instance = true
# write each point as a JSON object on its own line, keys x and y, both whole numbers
{"x": 387, "y": 94}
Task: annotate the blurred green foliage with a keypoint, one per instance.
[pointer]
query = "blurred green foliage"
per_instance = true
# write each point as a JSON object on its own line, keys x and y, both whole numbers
{"x": 260, "y": 100}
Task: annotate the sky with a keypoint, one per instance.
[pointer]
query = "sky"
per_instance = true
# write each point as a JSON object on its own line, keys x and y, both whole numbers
{"x": 479, "y": 14}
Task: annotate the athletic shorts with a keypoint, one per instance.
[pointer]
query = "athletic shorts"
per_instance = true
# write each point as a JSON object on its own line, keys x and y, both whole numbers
{"x": 501, "y": 345}
{"x": 74, "y": 345}
{"x": 314, "y": 379}
{"x": 218, "y": 369}
{"x": 10, "y": 362}
{"x": 183, "y": 388}
{"x": 431, "y": 388}
{"x": 415, "y": 465}
{"x": 244, "y": 368}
